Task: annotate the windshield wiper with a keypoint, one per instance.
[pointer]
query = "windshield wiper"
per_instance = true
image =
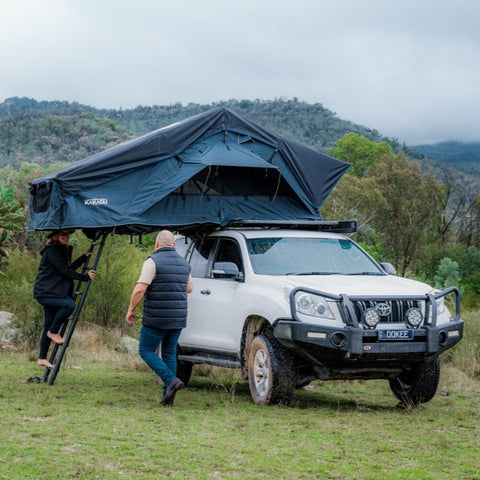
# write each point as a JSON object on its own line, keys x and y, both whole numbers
{"x": 377, "y": 274}
{"x": 312, "y": 273}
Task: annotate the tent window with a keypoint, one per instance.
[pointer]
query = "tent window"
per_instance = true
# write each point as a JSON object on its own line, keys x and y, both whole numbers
{"x": 40, "y": 195}
{"x": 220, "y": 180}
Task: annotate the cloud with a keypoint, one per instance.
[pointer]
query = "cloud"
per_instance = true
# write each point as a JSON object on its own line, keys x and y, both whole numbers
{"x": 408, "y": 69}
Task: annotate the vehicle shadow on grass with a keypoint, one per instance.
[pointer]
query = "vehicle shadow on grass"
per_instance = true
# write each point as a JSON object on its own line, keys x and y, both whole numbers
{"x": 348, "y": 401}
{"x": 341, "y": 397}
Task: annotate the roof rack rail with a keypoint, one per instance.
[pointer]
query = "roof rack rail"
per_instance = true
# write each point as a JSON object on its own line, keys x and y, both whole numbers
{"x": 336, "y": 226}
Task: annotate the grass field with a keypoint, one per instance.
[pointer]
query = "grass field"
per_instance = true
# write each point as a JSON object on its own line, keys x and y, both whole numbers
{"x": 102, "y": 420}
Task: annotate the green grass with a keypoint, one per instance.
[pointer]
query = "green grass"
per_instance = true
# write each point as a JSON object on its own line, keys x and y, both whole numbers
{"x": 102, "y": 420}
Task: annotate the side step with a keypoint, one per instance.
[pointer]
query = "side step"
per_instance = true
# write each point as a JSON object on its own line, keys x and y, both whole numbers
{"x": 210, "y": 360}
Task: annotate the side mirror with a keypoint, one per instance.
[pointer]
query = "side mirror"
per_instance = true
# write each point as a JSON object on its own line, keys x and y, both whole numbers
{"x": 388, "y": 268}
{"x": 225, "y": 270}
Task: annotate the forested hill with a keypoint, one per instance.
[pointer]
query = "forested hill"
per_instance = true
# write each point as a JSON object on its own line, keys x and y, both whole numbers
{"x": 52, "y": 131}
{"x": 46, "y": 132}
{"x": 463, "y": 156}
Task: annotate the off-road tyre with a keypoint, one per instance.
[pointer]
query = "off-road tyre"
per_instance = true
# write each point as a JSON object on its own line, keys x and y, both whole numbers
{"x": 418, "y": 384}
{"x": 271, "y": 373}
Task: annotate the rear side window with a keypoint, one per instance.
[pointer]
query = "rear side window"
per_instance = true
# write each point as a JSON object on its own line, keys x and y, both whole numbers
{"x": 200, "y": 256}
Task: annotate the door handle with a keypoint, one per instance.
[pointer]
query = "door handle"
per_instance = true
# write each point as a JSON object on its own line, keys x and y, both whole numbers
{"x": 205, "y": 292}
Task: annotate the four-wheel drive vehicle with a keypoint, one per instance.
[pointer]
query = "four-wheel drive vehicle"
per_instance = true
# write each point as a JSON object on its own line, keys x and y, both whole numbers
{"x": 290, "y": 306}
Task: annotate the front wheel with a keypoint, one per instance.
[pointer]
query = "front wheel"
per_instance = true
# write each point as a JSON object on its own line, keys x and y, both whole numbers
{"x": 271, "y": 376}
{"x": 418, "y": 384}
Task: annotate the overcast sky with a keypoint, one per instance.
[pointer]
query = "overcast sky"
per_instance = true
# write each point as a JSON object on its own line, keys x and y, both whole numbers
{"x": 408, "y": 68}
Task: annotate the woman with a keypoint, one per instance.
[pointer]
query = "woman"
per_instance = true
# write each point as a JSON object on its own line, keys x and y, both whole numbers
{"x": 53, "y": 287}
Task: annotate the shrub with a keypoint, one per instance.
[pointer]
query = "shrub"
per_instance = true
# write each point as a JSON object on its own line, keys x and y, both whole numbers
{"x": 16, "y": 296}
{"x": 447, "y": 273}
{"x": 108, "y": 297}
{"x": 117, "y": 271}
{"x": 466, "y": 355}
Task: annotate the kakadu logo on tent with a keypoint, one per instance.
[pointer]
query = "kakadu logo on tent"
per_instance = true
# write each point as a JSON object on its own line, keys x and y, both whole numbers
{"x": 96, "y": 201}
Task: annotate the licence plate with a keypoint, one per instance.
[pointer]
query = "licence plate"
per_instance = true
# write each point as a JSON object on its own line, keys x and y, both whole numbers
{"x": 395, "y": 335}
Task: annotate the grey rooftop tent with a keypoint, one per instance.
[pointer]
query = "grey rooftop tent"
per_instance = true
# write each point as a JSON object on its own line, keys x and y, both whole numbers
{"x": 212, "y": 169}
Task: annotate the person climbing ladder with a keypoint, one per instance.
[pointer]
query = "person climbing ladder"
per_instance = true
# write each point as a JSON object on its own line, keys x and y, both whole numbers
{"x": 53, "y": 288}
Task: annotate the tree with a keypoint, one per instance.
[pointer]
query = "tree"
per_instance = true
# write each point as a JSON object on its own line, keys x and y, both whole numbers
{"x": 405, "y": 220}
{"x": 469, "y": 228}
{"x": 360, "y": 152}
{"x": 354, "y": 198}
{"x": 11, "y": 216}
{"x": 449, "y": 206}
{"x": 447, "y": 273}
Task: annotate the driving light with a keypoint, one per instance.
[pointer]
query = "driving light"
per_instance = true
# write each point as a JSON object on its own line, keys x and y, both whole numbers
{"x": 371, "y": 317}
{"x": 414, "y": 317}
{"x": 313, "y": 305}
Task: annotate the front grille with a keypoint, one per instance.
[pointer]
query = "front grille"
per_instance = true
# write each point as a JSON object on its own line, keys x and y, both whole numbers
{"x": 398, "y": 309}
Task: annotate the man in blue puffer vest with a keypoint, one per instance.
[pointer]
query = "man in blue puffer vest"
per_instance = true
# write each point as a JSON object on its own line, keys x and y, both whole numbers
{"x": 163, "y": 284}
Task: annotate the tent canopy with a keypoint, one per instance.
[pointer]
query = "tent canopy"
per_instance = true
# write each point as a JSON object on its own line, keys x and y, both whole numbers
{"x": 211, "y": 169}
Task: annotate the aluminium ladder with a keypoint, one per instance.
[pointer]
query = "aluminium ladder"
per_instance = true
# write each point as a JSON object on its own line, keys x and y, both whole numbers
{"x": 79, "y": 297}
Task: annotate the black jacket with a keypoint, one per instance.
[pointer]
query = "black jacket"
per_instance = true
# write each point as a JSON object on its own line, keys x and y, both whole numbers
{"x": 56, "y": 272}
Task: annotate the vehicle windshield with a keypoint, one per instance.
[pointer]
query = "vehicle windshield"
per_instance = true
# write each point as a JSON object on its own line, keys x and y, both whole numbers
{"x": 309, "y": 256}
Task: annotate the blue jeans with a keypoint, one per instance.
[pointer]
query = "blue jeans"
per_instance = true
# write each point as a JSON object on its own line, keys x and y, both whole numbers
{"x": 165, "y": 366}
{"x": 56, "y": 312}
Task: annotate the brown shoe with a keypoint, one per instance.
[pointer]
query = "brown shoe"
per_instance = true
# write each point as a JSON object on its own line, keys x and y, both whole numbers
{"x": 55, "y": 337}
{"x": 173, "y": 387}
{"x": 44, "y": 363}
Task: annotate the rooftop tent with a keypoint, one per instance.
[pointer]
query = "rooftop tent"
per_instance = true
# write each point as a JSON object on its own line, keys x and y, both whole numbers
{"x": 211, "y": 169}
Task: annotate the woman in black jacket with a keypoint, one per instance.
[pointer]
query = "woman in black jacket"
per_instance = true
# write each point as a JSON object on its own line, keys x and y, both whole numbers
{"x": 53, "y": 287}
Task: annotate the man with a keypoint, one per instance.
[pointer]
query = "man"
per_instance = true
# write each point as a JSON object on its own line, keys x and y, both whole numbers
{"x": 163, "y": 284}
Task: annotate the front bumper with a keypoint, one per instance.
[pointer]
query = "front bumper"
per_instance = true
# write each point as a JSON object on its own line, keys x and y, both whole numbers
{"x": 327, "y": 345}
{"x": 355, "y": 345}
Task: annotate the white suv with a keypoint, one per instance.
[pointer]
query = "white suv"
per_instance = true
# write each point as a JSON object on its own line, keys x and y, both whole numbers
{"x": 288, "y": 306}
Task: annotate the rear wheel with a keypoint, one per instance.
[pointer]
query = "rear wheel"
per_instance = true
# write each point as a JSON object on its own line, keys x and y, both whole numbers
{"x": 271, "y": 375}
{"x": 418, "y": 384}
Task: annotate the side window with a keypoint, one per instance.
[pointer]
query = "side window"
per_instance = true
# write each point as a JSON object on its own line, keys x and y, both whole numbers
{"x": 228, "y": 251}
{"x": 199, "y": 258}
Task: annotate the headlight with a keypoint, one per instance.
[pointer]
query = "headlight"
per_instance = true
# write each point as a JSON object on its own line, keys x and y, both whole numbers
{"x": 414, "y": 317}
{"x": 312, "y": 305}
{"x": 440, "y": 305}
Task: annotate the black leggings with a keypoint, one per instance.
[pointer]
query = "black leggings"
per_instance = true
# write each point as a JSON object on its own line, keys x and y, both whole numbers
{"x": 56, "y": 312}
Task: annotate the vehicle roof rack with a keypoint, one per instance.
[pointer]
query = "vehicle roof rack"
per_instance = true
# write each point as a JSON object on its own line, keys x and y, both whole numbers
{"x": 336, "y": 226}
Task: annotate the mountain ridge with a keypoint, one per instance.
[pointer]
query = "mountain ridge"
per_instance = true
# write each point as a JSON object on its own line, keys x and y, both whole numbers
{"x": 48, "y": 129}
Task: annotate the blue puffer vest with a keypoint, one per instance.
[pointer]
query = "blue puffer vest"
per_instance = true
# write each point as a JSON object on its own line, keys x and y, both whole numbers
{"x": 165, "y": 301}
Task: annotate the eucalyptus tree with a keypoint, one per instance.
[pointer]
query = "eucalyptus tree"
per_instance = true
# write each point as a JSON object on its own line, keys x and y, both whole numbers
{"x": 405, "y": 219}
{"x": 361, "y": 152}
